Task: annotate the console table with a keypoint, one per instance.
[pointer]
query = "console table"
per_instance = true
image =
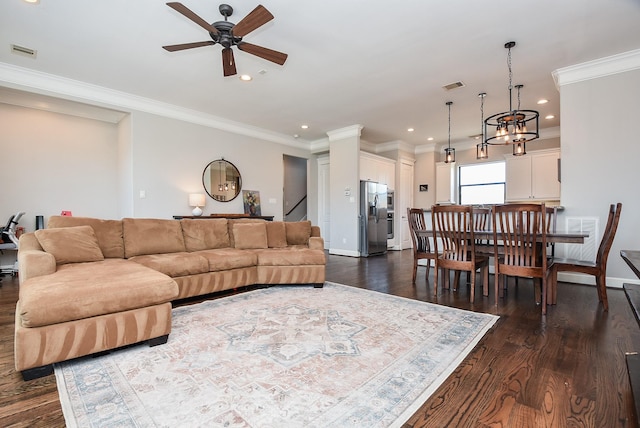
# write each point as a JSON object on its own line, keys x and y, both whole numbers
{"x": 632, "y": 257}
{"x": 228, "y": 216}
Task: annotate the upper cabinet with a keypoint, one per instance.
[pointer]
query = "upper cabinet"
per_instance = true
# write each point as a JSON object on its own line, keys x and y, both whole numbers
{"x": 445, "y": 180}
{"x": 533, "y": 176}
{"x": 378, "y": 169}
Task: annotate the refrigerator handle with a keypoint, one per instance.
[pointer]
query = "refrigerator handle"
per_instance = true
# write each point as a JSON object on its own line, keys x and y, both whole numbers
{"x": 375, "y": 207}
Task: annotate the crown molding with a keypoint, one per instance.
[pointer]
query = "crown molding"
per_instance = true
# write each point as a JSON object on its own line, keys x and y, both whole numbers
{"x": 346, "y": 132}
{"x": 48, "y": 84}
{"x": 425, "y": 148}
{"x": 602, "y": 67}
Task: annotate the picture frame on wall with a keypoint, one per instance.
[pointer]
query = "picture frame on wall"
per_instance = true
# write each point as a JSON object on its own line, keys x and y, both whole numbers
{"x": 251, "y": 202}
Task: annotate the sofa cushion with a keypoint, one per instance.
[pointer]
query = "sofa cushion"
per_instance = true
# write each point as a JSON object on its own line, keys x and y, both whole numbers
{"x": 298, "y": 232}
{"x": 75, "y": 244}
{"x": 108, "y": 232}
{"x": 229, "y": 258}
{"x": 151, "y": 236}
{"x": 250, "y": 235}
{"x": 205, "y": 234}
{"x": 232, "y": 222}
{"x": 174, "y": 264}
{"x": 290, "y": 257}
{"x": 83, "y": 290}
{"x": 276, "y": 234}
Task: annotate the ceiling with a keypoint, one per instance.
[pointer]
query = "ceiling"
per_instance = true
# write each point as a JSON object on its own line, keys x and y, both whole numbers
{"x": 376, "y": 63}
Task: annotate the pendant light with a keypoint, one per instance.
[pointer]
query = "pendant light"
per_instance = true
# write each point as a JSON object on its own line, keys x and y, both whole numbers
{"x": 482, "y": 149}
{"x": 220, "y": 186}
{"x": 449, "y": 153}
{"x": 516, "y": 125}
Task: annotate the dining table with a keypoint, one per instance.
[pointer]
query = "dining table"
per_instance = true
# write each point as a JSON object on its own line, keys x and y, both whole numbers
{"x": 552, "y": 237}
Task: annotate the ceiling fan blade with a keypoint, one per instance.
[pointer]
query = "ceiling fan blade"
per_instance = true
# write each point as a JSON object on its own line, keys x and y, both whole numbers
{"x": 268, "y": 54}
{"x": 228, "y": 62}
{"x": 179, "y": 7}
{"x": 257, "y": 18}
{"x": 173, "y": 48}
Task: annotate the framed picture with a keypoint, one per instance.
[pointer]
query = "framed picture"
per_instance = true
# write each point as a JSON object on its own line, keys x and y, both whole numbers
{"x": 251, "y": 201}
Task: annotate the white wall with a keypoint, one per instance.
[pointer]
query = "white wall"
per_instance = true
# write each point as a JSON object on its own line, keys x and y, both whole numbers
{"x": 344, "y": 153}
{"x": 600, "y": 152}
{"x": 53, "y": 162}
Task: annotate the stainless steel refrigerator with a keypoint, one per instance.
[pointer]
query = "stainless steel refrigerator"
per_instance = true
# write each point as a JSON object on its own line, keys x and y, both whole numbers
{"x": 373, "y": 218}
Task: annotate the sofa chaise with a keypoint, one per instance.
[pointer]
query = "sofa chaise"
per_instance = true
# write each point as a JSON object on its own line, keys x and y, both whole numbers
{"x": 91, "y": 285}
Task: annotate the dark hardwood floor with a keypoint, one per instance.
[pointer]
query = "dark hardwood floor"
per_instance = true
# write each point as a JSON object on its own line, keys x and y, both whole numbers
{"x": 563, "y": 370}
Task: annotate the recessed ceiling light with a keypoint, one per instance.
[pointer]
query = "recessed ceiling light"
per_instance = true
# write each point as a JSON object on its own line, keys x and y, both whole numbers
{"x": 410, "y": 129}
{"x": 304, "y": 126}
{"x": 430, "y": 139}
{"x": 549, "y": 116}
{"x": 245, "y": 77}
{"x": 32, "y": 1}
{"x": 543, "y": 101}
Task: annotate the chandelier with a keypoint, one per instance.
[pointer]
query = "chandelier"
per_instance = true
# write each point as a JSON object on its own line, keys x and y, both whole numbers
{"x": 516, "y": 126}
{"x": 449, "y": 153}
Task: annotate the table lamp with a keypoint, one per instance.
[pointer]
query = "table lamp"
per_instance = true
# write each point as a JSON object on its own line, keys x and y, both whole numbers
{"x": 197, "y": 200}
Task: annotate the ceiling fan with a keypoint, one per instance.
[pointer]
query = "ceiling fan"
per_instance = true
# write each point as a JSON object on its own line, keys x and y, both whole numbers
{"x": 229, "y": 34}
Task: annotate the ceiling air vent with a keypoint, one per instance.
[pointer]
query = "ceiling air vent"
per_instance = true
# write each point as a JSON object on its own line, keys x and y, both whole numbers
{"x": 454, "y": 85}
{"x": 21, "y": 50}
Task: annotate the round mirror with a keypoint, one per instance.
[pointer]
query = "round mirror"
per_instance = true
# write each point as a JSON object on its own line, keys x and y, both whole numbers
{"x": 221, "y": 179}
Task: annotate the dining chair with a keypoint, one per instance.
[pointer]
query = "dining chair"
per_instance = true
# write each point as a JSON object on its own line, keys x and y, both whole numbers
{"x": 453, "y": 231}
{"x": 518, "y": 229}
{"x": 598, "y": 268}
{"x": 419, "y": 238}
{"x": 482, "y": 222}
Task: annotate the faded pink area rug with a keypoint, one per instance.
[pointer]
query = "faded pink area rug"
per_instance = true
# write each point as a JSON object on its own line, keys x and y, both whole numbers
{"x": 278, "y": 357}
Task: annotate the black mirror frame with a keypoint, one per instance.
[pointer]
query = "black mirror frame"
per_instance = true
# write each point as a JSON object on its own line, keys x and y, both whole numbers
{"x": 228, "y": 165}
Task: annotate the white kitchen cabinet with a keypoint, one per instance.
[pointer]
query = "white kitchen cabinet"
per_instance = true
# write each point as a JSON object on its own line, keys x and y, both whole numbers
{"x": 445, "y": 182}
{"x": 378, "y": 169}
{"x": 533, "y": 177}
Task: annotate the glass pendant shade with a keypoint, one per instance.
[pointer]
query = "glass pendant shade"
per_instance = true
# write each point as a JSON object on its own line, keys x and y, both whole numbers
{"x": 449, "y": 155}
{"x": 519, "y": 148}
{"x": 482, "y": 151}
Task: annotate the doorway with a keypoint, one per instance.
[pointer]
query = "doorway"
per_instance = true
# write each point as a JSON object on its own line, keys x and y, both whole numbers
{"x": 294, "y": 200}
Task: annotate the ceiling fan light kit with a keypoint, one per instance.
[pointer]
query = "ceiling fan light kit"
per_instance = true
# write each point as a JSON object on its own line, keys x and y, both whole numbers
{"x": 516, "y": 126}
{"x": 228, "y": 34}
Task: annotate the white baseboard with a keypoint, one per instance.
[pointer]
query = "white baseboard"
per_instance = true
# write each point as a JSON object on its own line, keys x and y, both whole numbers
{"x": 590, "y": 279}
{"x": 339, "y": 252}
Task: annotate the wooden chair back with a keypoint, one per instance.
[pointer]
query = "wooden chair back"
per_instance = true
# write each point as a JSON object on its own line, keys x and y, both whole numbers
{"x": 454, "y": 237}
{"x": 521, "y": 231}
{"x": 482, "y": 221}
{"x": 454, "y": 226}
{"x": 421, "y": 243}
{"x": 609, "y": 233}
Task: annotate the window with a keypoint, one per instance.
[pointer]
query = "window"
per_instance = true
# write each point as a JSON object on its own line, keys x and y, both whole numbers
{"x": 482, "y": 183}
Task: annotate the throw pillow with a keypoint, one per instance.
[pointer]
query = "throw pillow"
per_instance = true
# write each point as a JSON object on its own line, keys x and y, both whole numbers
{"x": 250, "y": 235}
{"x": 75, "y": 244}
{"x": 276, "y": 234}
{"x": 298, "y": 233}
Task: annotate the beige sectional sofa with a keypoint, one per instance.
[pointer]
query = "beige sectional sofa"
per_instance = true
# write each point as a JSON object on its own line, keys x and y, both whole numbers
{"x": 90, "y": 285}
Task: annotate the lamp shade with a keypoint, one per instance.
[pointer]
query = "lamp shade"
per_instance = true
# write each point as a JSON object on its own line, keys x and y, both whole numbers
{"x": 197, "y": 200}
